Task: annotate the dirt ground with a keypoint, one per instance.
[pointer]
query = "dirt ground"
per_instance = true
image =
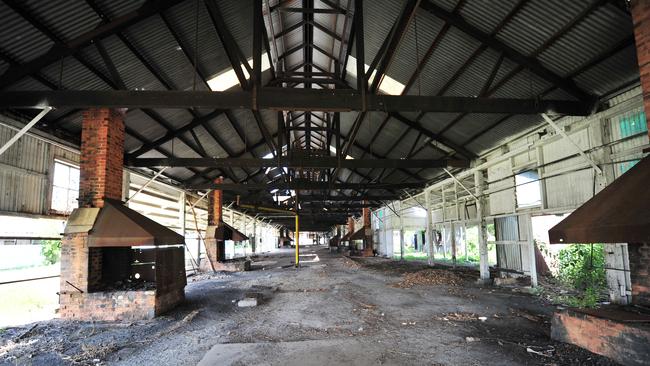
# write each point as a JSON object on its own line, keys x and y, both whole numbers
{"x": 333, "y": 308}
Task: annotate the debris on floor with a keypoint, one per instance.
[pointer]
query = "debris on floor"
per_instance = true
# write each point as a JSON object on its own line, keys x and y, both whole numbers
{"x": 431, "y": 277}
{"x": 251, "y": 299}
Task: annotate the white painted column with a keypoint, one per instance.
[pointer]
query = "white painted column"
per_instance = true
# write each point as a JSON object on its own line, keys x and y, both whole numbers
{"x": 531, "y": 251}
{"x": 181, "y": 212}
{"x": 479, "y": 181}
{"x": 427, "y": 234}
{"x": 453, "y": 244}
{"x": 255, "y": 236}
{"x": 401, "y": 232}
{"x": 126, "y": 186}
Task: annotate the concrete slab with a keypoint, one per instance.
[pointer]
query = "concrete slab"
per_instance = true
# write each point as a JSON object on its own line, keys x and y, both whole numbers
{"x": 302, "y": 353}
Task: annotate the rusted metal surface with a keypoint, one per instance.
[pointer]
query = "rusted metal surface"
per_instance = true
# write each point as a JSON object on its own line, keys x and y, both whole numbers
{"x": 618, "y": 214}
{"x": 624, "y": 342}
{"x": 625, "y": 314}
{"x": 119, "y": 226}
{"x": 224, "y": 231}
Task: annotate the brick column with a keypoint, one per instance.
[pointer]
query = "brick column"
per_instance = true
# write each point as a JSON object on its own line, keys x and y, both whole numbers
{"x": 367, "y": 226}
{"x": 215, "y": 249}
{"x": 640, "y": 10}
{"x": 102, "y": 156}
{"x": 215, "y": 205}
{"x": 350, "y": 225}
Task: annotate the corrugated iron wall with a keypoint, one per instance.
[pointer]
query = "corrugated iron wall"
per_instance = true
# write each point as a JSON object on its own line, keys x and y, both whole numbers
{"x": 25, "y": 171}
{"x": 508, "y": 255}
{"x": 25, "y": 185}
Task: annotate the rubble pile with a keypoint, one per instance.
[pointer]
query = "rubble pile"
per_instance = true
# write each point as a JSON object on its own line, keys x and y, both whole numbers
{"x": 430, "y": 277}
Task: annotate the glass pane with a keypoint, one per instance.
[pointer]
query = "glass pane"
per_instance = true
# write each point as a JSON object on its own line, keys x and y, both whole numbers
{"x": 61, "y": 175}
{"x": 528, "y": 189}
{"x": 59, "y": 199}
{"x": 74, "y": 179}
{"x": 72, "y": 200}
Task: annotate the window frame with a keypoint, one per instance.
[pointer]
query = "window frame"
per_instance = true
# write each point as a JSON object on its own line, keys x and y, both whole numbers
{"x": 69, "y": 164}
{"x": 538, "y": 180}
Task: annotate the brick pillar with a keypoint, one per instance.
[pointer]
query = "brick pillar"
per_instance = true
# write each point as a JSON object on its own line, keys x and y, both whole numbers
{"x": 350, "y": 225}
{"x": 367, "y": 226}
{"x": 102, "y": 156}
{"x": 215, "y": 205}
{"x": 640, "y": 10}
{"x": 215, "y": 249}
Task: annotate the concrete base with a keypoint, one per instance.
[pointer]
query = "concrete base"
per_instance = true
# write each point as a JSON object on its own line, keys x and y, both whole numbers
{"x": 612, "y": 332}
{"x": 485, "y": 281}
{"x": 236, "y": 265}
{"x": 302, "y": 353}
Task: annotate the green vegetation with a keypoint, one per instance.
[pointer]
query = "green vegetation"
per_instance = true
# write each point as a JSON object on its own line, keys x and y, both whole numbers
{"x": 51, "y": 250}
{"x": 582, "y": 267}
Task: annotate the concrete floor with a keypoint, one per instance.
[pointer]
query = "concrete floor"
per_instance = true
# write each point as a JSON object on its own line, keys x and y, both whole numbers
{"x": 331, "y": 311}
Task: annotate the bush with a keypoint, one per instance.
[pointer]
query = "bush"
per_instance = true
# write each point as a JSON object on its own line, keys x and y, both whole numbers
{"x": 583, "y": 268}
{"x": 51, "y": 250}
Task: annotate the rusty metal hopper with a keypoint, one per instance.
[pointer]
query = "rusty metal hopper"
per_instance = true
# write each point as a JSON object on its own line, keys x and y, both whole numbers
{"x": 119, "y": 226}
{"x": 225, "y": 232}
{"x": 620, "y": 213}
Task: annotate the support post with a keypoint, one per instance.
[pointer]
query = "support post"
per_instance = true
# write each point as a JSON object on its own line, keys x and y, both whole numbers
{"x": 479, "y": 181}
{"x": 297, "y": 240}
{"x": 401, "y": 233}
{"x": 428, "y": 233}
{"x": 531, "y": 250}
{"x": 453, "y": 244}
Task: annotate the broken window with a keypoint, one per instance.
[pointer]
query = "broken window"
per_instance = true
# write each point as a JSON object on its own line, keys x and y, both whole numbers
{"x": 527, "y": 189}
{"x": 65, "y": 187}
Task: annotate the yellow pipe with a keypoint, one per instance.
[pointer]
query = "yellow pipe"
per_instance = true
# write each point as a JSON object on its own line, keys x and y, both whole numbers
{"x": 297, "y": 241}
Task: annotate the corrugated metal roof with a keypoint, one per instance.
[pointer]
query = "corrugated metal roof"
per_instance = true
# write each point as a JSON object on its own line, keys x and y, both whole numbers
{"x": 532, "y": 26}
{"x": 67, "y": 19}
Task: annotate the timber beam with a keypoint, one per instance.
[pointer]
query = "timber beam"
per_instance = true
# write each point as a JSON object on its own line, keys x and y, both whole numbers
{"x": 284, "y": 99}
{"x": 298, "y": 162}
{"x": 305, "y": 186}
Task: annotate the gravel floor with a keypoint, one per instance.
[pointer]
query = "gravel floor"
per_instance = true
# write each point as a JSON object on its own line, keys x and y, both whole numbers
{"x": 331, "y": 298}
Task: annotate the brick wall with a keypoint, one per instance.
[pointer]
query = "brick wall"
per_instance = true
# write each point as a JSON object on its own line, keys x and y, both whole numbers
{"x": 74, "y": 263}
{"x": 102, "y": 155}
{"x": 639, "y": 254}
{"x": 215, "y": 205}
{"x": 108, "y": 306}
{"x": 640, "y": 10}
{"x": 366, "y": 217}
{"x": 350, "y": 225}
{"x": 115, "y": 305}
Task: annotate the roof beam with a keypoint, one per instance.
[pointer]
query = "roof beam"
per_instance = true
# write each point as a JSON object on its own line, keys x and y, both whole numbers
{"x": 304, "y": 185}
{"x": 59, "y": 51}
{"x": 198, "y": 121}
{"x": 228, "y": 42}
{"x": 491, "y": 41}
{"x": 312, "y": 10}
{"x": 394, "y": 39}
{"x": 283, "y": 99}
{"x": 298, "y": 162}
